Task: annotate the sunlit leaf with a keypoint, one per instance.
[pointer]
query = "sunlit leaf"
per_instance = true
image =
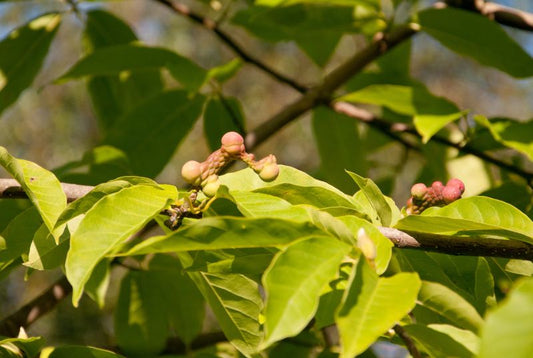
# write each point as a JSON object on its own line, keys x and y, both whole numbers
{"x": 372, "y": 305}
{"x": 41, "y": 186}
{"x": 293, "y": 283}
{"x": 110, "y": 221}
{"x": 472, "y": 216}
{"x": 78, "y": 352}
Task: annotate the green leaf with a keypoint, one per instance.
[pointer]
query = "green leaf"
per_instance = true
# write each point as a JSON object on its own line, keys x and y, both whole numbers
{"x": 41, "y": 186}
{"x": 46, "y": 253}
{"x": 331, "y": 296}
{"x": 23, "y": 52}
{"x": 226, "y": 71}
{"x": 383, "y": 245}
{"x": 222, "y": 115}
{"x": 78, "y": 352}
{"x": 96, "y": 287}
{"x": 382, "y": 213}
{"x": 509, "y": 328}
{"x": 17, "y": 236}
{"x": 216, "y": 233}
{"x": 236, "y": 302}
{"x": 180, "y": 298}
{"x": 114, "y": 95}
{"x": 108, "y": 223}
{"x": 29, "y": 346}
{"x": 439, "y": 344}
{"x": 431, "y": 113}
{"x": 150, "y": 144}
{"x": 450, "y": 305}
{"x": 82, "y": 205}
{"x": 140, "y": 321}
{"x": 293, "y": 283}
{"x": 112, "y": 60}
{"x": 372, "y": 305}
{"x": 340, "y": 146}
{"x": 474, "y": 35}
{"x": 476, "y": 215}
{"x": 511, "y": 133}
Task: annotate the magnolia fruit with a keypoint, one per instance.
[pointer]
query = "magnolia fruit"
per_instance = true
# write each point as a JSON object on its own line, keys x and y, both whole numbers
{"x": 419, "y": 190}
{"x": 211, "y": 186}
{"x": 191, "y": 171}
{"x": 233, "y": 143}
{"x": 269, "y": 172}
{"x": 451, "y": 193}
{"x": 457, "y": 184}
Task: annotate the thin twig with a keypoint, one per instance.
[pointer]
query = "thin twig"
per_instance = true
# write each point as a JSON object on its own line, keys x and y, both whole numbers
{"x": 394, "y": 130}
{"x": 407, "y": 340}
{"x": 11, "y": 189}
{"x": 35, "y": 309}
{"x": 184, "y": 10}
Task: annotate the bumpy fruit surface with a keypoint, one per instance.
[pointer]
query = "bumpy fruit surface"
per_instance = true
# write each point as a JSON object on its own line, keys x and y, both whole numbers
{"x": 451, "y": 193}
{"x": 457, "y": 184}
{"x": 232, "y": 143}
{"x": 269, "y": 172}
{"x": 191, "y": 171}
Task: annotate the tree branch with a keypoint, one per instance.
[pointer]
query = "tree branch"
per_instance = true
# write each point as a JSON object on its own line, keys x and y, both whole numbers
{"x": 459, "y": 245}
{"x": 394, "y": 129}
{"x": 502, "y": 14}
{"x": 35, "y": 309}
{"x": 336, "y": 78}
{"x": 11, "y": 189}
{"x": 211, "y": 25}
{"x": 407, "y": 340}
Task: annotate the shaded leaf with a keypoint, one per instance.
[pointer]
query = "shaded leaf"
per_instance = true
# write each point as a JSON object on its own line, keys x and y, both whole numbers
{"x": 478, "y": 37}
{"x": 382, "y": 212}
{"x": 509, "y": 328}
{"x": 222, "y": 115}
{"x": 114, "y": 95}
{"x": 439, "y": 344}
{"x": 150, "y": 133}
{"x": 78, "y": 352}
{"x": 340, "y": 146}
{"x": 23, "y": 52}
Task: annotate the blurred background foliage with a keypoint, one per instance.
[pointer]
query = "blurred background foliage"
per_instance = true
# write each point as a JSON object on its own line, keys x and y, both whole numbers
{"x": 54, "y": 124}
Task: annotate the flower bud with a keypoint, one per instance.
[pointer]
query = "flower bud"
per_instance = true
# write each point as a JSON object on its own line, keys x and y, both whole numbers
{"x": 211, "y": 186}
{"x": 191, "y": 171}
{"x": 419, "y": 190}
{"x": 269, "y": 172}
{"x": 456, "y": 183}
{"x": 451, "y": 193}
{"x": 233, "y": 143}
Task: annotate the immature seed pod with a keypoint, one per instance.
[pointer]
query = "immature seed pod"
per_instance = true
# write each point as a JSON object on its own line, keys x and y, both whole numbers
{"x": 451, "y": 193}
{"x": 232, "y": 143}
{"x": 269, "y": 172}
{"x": 456, "y": 183}
{"x": 191, "y": 171}
{"x": 419, "y": 190}
{"x": 211, "y": 186}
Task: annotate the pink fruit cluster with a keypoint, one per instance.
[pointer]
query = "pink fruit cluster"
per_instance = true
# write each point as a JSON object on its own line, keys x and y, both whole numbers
{"x": 205, "y": 174}
{"x": 423, "y": 197}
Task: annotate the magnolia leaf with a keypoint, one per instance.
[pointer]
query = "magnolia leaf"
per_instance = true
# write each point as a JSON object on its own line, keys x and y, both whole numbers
{"x": 23, "y": 53}
{"x": 41, "y": 186}
{"x": 293, "y": 283}
{"x": 372, "y": 305}
{"x": 107, "y": 224}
